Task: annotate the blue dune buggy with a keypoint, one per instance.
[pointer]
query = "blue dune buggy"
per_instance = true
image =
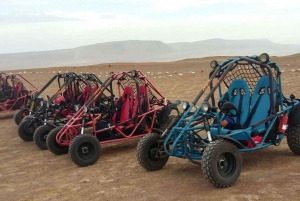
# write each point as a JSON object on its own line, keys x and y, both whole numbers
{"x": 242, "y": 109}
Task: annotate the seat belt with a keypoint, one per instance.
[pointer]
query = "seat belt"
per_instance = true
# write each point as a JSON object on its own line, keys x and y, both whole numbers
{"x": 238, "y": 118}
{"x": 247, "y": 122}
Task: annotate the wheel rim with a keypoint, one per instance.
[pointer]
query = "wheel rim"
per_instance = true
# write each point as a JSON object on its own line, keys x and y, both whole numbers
{"x": 29, "y": 128}
{"x": 43, "y": 137}
{"x": 156, "y": 152}
{"x": 226, "y": 164}
{"x": 86, "y": 150}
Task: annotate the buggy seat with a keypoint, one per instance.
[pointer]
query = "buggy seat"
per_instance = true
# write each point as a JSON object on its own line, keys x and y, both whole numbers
{"x": 143, "y": 100}
{"x": 124, "y": 106}
{"x": 259, "y": 109}
{"x": 238, "y": 94}
{"x": 140, "y": 106}
{"x": 17, "y": 92}
{"x": 84, "y": 96}
{"x": 260, "y": 103}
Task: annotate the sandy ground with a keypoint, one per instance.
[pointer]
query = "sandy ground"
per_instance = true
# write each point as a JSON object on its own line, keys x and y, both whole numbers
{"x": 27, "y": 173}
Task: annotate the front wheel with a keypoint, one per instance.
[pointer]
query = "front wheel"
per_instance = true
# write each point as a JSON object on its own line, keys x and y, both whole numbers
{"x": 85, "y": 150}
{"x": 221, "y": 163}
{"x": 293, "y": 139}
{"x": 150, "y": 153}
{"x": 26, "y": 130}
{"x": 52, "y": 144}
{"x": 40, "y": 136}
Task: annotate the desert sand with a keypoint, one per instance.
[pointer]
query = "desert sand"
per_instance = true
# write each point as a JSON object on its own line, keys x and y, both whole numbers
{"x": 27, "y": 173}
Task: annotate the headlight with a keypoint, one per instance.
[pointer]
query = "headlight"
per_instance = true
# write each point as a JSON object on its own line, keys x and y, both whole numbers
{"x": 264, "y": 58}
{"x": 185, "y": 105}
{"x": 76, "y": 108}
{"x": 47, "y": 104}
{"x": 214, "y": 64}
{"x": 85, "y": 109}
{"x": 41, "y": 103}
{"x": 205, "y": 106}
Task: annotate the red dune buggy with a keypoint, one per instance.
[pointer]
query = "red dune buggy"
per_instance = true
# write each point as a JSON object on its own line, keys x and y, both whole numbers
{"x": 139, "y": 110}
{"x": 13, "y": 92}
{"x": 74, "y": 91}
{"x": 37, "y": 98}
{"x": 59, "y": 112}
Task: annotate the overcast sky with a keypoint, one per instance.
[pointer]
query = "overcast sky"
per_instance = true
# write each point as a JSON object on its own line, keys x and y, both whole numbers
{"x": 35, "y": 25}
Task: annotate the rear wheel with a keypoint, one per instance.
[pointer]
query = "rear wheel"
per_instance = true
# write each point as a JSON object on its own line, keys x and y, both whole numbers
{"x": 26, "y": 130}
{"x": 52, "y": 144}
{"x": 221, "y": 163}
{"x": 85, "y": 150}
{"x": 150, "y": 153}
{"x": 293, "y": 139}
{"x": 19, "y": 115}
{"x": 40, "y": 136}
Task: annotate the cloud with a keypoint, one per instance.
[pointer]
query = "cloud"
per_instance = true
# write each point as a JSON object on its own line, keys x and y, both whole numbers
{"x": 177, "y": 5}
{"x": 89, "y": 16}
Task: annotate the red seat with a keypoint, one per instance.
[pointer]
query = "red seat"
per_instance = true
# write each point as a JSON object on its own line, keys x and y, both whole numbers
{"x": 67, "y": 94}
{"x": 143, "y": 100}
{"x": 139, "y": 106}
{"x": 95, "y": 89}
{"x": 84, "y": 96}
{"x": 17, "y": 90}
{"x": 124, "y": 106}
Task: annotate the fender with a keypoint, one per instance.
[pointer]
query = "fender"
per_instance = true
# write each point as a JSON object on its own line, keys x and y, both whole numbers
{"x": 235, "y": 142}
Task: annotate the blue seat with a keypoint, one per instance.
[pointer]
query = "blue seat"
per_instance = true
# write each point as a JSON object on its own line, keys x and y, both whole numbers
{"x": 259, "y": 108}
{"x": 261, "y": 103}
{"x": 238, "y": 93}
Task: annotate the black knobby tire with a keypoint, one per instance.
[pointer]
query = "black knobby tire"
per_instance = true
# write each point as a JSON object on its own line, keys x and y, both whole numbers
{"x": 150, "y": 154}
{"x": 221, "y": 163}
{"x": 18, "y": 117}
{"x": 40, "y": 136}
{"x": 85, "y": 150}
{"x": 166, "y": 124}
{"x": 52, "y": 145}
{"x": 27, "y": 117}
{"x": 293, "y": 139}
{"x": 25, "y": 130}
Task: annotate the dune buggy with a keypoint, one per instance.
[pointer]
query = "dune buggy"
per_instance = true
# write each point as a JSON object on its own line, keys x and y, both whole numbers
{"x": 36, "y": 99}
{"x": 252, "y": 113}
{"x": 74, "y": 91}
{"x": 139, "y": 110}
{"x": 87, "y": 85}
{"x": 13, "y": 92}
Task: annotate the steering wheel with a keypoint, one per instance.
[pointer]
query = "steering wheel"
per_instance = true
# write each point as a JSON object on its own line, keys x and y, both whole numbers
{"x": 227, "y": 107}
{"x": 105, "y": 109}
{"x": 221, "y": 102}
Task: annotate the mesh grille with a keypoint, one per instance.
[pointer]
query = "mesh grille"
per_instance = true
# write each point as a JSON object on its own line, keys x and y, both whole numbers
{"x": 16, "y": 80}
{"x": 249, "y": 72}
{"x": 127, "y": 81}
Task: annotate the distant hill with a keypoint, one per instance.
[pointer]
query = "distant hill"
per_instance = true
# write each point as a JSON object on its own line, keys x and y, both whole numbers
{"x": 142, "y": 51}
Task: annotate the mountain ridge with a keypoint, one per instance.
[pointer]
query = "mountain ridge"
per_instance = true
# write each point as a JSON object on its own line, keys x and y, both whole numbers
{"x": 143, "y": 51}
